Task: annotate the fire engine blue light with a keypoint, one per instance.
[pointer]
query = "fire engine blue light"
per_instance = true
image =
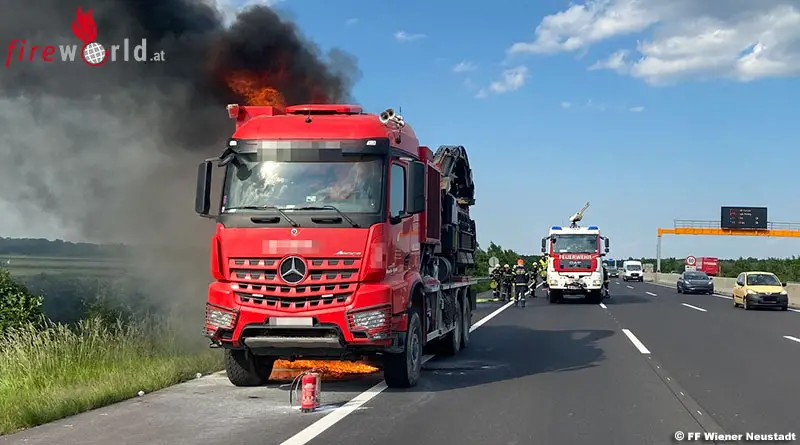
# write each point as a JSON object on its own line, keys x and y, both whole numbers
{"x": 555, "y": 228}
{"x": 593, "y": 228}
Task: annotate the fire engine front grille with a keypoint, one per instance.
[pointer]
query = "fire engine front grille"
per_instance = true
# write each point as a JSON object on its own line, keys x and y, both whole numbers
{"x": 329, "y": 282}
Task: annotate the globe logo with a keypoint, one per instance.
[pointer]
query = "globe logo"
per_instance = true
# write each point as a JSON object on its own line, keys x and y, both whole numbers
{"x": 94, "y": 54}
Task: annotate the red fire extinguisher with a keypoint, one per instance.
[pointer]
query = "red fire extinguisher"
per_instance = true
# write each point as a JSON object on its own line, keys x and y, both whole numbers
{"x": 309, "y": 392}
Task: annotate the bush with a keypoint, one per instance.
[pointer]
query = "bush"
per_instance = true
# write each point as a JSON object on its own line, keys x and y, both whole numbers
{"x": 18, "y": 307}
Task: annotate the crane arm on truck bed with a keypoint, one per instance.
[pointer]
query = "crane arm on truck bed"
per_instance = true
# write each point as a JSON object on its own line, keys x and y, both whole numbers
{"x": 456, "y": 173}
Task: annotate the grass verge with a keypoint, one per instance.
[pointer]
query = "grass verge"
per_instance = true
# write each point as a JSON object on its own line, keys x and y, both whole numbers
{"x": 61, "y": 371}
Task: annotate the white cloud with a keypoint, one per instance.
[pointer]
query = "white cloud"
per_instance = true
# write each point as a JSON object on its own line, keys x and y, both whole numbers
{"x": 403, "y": 36}
{"x": 511, "y": 80}
{"x": 566, "y": 105}
{"x": 351, "y": 21}
{"x": 463, "y": 67}
{"x": 739, "y": 39}
{"x": 636, "y": 109}
{"x": 482, "y": 94}
{"x": 229, "y": 8}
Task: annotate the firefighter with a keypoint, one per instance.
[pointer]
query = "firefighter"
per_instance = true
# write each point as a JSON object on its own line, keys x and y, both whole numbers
{"x": 521, "y": 278}
{"x": 543, "y": 271}
{"x": 605, "y": 281}
{"x": 497, "y": 278}
{"x": 505, "y": 293}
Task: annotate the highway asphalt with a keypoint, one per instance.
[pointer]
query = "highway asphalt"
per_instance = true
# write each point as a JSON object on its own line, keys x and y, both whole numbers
{"x": 634, "y": 370}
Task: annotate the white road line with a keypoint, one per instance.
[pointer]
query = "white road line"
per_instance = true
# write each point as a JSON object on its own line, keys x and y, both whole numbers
{"x": 651, "y": 294}
{"x": 723, "y": 296}
{"x": 320, "y": 426}
{"x": 639, "y": 345}
{"x": 603, "y": 306}
{"x": 694, "y": 307}
{"x": 629, "y": 287}
{"x": 789, "y": 337}
{"x": 617, "y": 282}
{"x": 794, "y": 310}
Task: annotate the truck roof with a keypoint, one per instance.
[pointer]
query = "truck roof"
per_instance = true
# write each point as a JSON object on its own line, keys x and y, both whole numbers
{"x": 328, "y": 122}
{"x": 589, "y": 230}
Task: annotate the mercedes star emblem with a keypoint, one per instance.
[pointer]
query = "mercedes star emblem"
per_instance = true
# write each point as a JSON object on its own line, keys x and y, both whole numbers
{"x": 293, "y": 269}
{"x": 294, "y": 232}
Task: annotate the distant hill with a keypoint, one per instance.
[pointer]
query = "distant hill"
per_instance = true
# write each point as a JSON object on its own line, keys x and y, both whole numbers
{"x": 58, "y": 248}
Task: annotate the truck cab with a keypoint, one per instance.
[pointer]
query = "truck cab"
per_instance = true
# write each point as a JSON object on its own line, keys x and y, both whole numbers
{"x": 575, "y": 265}
{"x": 335, "y": 240}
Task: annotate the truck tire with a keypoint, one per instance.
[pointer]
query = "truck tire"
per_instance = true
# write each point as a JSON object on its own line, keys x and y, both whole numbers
{"x": 450, "y": 344}
{"x": 553, "y": 296}
{"x": 466, "y": 319}
{"x": 402, "y": 370}
{"x": 594, "y": 297}
{"x": 245, "y": 369}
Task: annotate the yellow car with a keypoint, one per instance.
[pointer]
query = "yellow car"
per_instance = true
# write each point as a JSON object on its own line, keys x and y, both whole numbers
{"x": 760, "y": 289}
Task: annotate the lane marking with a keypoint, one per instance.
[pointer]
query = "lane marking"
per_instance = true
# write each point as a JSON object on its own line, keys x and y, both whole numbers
{"x": 694, "y": 307}
{"x": 638, "y": 344}
{"x": 616, "y": 282}
{"x": 793, "y": 309}
{"x": 320, "y": 426}
{"x": 629, "y": 287}
{"x": 789, "y": 337}
{"x": 603, "y": 306}
{"x": 723, "y": 296}
{"x": 651, "y": 294}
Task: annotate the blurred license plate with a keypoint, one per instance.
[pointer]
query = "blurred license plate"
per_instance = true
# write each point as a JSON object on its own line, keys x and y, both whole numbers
{"x": 291, "y": 321}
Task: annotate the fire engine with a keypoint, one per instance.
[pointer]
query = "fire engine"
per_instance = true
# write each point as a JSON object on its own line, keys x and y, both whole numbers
{"x": 574, "y": 265}
{"x": 337, "y": 237}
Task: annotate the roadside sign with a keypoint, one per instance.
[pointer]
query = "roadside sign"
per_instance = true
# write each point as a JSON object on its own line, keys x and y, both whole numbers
{"x": 691, "y": 268}
{"x": 493, "y": 261}
{"x": 691, "y": 261}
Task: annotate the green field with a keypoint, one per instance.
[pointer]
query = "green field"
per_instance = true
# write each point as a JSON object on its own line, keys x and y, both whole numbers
{"x": 21, "y": 266}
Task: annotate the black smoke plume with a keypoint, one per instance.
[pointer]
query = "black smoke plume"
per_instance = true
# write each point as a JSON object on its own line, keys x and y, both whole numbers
{"x": 110, "y": 152}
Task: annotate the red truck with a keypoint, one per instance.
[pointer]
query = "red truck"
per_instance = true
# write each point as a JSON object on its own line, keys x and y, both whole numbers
{"x": 338, "y": 237}
{"x": 708, "y": 265}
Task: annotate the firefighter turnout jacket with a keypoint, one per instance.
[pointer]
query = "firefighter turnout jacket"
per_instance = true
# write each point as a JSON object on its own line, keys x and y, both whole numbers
{"x": 521, "y": 276}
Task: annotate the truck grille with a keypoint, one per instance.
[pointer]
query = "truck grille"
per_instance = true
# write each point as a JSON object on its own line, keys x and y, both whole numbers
{"x": 330, "y": 282}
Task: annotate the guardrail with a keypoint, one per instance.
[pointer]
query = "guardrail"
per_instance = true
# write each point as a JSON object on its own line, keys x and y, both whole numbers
{"x": 722, "y": 285}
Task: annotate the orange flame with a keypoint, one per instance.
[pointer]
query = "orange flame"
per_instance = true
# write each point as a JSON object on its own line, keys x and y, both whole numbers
{"x": 254, "y": 91}
{"x": 329, "y": 368}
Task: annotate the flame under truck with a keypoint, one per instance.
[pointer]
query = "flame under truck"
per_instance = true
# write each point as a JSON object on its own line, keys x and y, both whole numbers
{"x": 574, "y": 261}
{"x": 337, "y": 237}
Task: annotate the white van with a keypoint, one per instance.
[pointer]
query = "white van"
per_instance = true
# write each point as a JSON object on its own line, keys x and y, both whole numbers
{"x": 632, "y": 271}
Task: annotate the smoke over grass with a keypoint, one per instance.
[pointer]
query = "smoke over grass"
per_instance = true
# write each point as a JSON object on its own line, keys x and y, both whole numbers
{"x": 110, "y": 153}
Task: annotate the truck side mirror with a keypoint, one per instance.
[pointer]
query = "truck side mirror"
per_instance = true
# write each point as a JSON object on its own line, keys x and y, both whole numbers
{"x": 607, "y": 249}
{"x": 202, "y": 197}
{"x": 415, "y": 198}
{"x": 544, "y": 245}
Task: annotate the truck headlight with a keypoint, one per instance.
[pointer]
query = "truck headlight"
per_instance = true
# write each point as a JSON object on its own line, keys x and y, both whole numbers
{"x": 783, "y": 292}
{"x": 369, "y": 319}
{"x": 597, "y": 282}
{"x": 751, "y": 292}
{"x": 220, "y": 318}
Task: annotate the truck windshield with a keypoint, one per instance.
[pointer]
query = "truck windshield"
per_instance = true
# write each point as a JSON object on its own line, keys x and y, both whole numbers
{"x": 633, "y": 267}
{"x": 574, "y": 243}
{"x": 352, "y": 185}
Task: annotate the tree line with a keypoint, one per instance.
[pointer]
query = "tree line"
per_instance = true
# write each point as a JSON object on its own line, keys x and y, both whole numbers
{"x": 58, "y": 248}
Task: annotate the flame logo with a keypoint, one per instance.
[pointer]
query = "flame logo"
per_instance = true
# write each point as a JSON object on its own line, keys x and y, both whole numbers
{"x": 84, "y": 27}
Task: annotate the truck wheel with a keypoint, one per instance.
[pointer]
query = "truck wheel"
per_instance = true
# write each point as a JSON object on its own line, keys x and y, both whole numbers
{"x": 451, "y": 342}
{"x": 594, "y": 297}
{"x": 554, "y": 296}
{"x": 466, "y": 320}
{"x": 245, "y": 369}
{"x": 402, "y": 370}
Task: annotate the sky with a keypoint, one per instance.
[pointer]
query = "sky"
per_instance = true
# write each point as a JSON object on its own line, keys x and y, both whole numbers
{"x": 651, "y": 110}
